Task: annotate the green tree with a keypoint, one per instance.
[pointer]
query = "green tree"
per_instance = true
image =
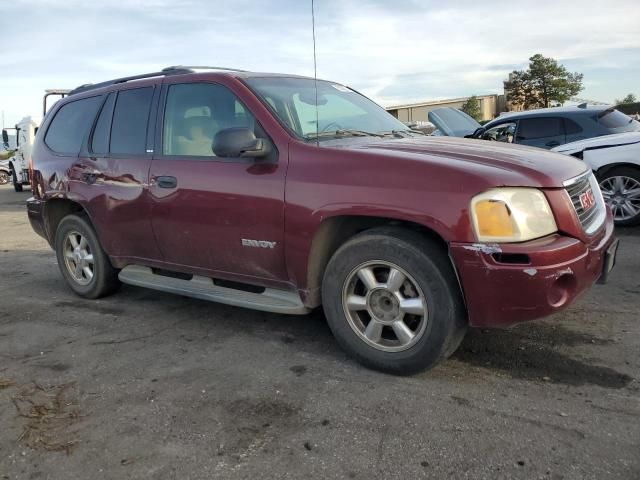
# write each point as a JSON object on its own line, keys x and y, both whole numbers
{"x": 544, "y": 82}
{"x": 630, "y": 98}
{"x": 472, "y": 108}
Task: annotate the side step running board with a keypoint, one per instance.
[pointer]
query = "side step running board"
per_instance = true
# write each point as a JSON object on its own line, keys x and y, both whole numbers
{"x": 271, "y": 300}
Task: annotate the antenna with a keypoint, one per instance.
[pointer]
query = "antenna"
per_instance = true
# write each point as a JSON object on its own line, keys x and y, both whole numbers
{"x": 315, "y": 70}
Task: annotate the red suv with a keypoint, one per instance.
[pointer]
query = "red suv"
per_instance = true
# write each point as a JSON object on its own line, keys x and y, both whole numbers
{"x": 282, "y": 193}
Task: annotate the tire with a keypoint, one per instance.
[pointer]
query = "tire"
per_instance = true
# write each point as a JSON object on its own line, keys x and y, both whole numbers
{"x": 621, "y": 190}
{"x": 17, "y": 186}
{"x": 104, "y": 278}
{"x": 4, "y": 177}
{"x": 429, "y": 285}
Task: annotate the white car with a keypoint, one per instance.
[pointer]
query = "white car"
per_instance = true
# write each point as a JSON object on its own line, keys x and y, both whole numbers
{"x": 616, "y": 161}
{"x": 615, "y": 158}
{"x": 5, "y": 172}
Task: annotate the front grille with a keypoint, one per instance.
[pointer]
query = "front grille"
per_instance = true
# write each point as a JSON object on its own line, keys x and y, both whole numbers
{"x": 592, "y": 218}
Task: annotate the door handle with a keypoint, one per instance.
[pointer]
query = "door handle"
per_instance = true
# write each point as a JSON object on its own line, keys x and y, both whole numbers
{"x": 166, "y": 181}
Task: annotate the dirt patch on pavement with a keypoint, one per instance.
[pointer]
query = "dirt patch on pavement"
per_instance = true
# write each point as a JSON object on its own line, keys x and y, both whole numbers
{"x": 49, "y": 415}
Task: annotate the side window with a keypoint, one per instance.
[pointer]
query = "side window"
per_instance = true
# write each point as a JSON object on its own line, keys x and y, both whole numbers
{"x": 130, "y": 117}
{"x": 100, "y": 137}
{"x": 70, "y": 125}
{"x": 571, "y": 127}
{"x": 195, "y": 112}
{"x": 501, "y": 133}
{"x": 532, "y": 128}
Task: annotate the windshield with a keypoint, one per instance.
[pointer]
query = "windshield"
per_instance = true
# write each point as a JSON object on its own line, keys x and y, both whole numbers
{"x": 617, "y": 122}
{"x": 341, "y": 111}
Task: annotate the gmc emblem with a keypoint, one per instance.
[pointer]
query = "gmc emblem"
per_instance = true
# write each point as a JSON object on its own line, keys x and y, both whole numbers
{"x": 587, "y": 199}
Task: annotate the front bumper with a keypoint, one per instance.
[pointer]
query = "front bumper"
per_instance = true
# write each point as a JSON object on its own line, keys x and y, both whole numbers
{"x": 558, "y": 269}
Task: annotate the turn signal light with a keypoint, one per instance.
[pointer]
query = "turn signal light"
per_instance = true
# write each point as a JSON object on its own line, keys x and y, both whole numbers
{"x": 494, "y": 219}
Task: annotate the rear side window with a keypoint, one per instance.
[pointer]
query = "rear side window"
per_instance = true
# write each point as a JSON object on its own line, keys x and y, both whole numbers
{"x": 130, "y": 118}
{"x": 616, "y": 121}
{"x": 70, "y": 125}
{"x": 100, "y": 138}
{"x": 571, "y": 127}
{"x": 531, "y": 128}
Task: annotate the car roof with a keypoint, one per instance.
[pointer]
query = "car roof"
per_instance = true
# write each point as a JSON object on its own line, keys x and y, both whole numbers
{"x": 559, "y": 111}
{"x": 198, "y": 72}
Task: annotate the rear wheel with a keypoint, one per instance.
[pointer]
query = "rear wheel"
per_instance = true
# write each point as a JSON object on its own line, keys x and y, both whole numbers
{"x": 392, "y": 301}
{"x": 621, "y": 191}
{"x": 83, "y": 263}
{"x": 17, "y": 186}
{"x": 4, "y": 177}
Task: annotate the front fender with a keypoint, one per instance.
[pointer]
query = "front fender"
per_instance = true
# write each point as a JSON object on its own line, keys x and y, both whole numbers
{"x": 382, "y": 211}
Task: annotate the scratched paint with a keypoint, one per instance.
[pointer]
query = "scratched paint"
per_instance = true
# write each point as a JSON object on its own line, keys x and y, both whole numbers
{"x": 488, "y": 248}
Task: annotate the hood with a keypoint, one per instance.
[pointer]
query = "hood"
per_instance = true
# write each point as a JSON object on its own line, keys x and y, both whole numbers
{"x": 605, "y": 141}
{"x": 453, "y": 122}
{"x": 502, "y": 164}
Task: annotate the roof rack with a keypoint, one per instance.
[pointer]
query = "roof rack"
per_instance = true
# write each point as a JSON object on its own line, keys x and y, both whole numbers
{"x": 173, "y": 70}
{"x": 92, "y": 86}
{"x": 193, "y": 68}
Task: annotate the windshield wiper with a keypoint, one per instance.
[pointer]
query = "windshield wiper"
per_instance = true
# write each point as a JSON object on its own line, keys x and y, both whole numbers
{"x": 343, "y": 132}
{"x": 401, "y": 133}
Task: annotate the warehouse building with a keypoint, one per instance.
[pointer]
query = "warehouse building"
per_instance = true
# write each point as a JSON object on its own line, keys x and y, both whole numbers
{"x": 490, "y": 108}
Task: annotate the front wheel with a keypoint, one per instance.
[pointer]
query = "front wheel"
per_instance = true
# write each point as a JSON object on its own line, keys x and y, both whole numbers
{"x": 392, "y": 301}
{"x": 4, "y": 177}
{"x": 82, "y": 262}
{"x": 621, "y": 191}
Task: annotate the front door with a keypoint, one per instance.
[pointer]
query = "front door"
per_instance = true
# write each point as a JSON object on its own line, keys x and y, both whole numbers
{"x": 542, "y": 132}
{"x": 222, "y": 216}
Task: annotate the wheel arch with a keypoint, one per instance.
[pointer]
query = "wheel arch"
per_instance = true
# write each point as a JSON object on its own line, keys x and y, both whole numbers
{"x": 603, "y": 170}
{"x": 334, "y": 231}
{"x": 58, "y": 208}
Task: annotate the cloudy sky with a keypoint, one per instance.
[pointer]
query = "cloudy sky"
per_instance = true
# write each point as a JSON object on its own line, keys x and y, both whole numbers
{"x": 395, "y": 51}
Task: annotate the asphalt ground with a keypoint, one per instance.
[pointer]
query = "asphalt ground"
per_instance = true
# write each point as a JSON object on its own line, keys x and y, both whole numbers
{"x": 148, "y": 385}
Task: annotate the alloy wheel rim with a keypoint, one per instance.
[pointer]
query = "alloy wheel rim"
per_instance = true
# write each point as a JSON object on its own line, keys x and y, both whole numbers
{"x": 4, "y": 178}
{"x": 622, "y": 194}
{"x": 385, "y": 306}
{"x": 78, "y": 258}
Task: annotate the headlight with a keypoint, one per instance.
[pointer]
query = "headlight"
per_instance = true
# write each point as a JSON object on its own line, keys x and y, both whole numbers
{"x": 511, "y": 215}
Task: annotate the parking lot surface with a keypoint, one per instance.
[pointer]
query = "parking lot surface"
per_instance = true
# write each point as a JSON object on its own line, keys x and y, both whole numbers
{"x": 143, "y": 384}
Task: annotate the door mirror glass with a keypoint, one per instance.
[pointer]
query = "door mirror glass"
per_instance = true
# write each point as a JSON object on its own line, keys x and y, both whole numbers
{"x": 239, "y": 142}
{"x": 5, "y": 139}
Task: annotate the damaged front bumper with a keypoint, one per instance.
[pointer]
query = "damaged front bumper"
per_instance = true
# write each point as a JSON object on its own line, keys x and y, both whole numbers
{"x": 505, "y": 284}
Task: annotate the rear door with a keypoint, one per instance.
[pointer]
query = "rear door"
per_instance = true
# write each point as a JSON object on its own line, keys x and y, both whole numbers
{"x": 573, "y": 131}
{"x": 542, "y": 132}
{"x": 114, "y": 173}
{"x": 223, "y": 216}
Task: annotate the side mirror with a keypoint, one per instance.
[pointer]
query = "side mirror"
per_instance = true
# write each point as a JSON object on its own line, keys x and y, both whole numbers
{"x": 477, "y": 134}
{"x": 239, "y": 142}
{"x": 5, "y": 138}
